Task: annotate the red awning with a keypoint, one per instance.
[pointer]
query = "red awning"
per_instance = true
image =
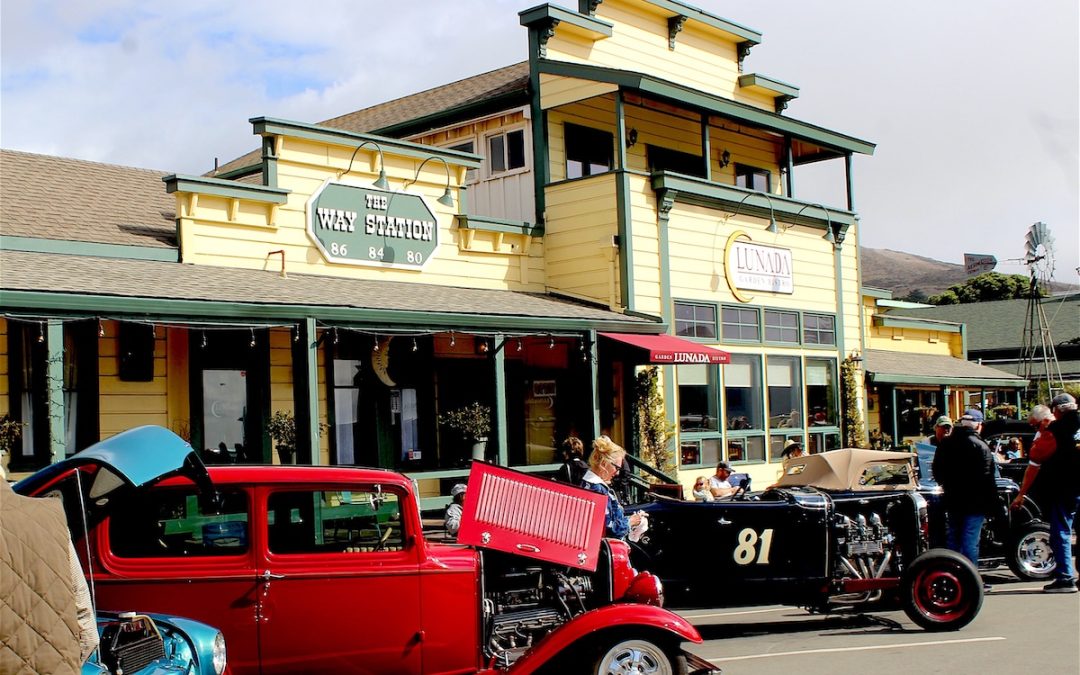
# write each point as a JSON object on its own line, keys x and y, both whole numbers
{"x": 668, "y": 349}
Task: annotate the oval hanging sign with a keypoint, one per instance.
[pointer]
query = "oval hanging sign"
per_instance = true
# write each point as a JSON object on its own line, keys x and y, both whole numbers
{"x": 367, "y": 226}
{"x": 754, "y": 267}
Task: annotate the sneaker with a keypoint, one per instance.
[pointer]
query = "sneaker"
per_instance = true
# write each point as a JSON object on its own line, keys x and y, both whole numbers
{"x": 1061, "y": 586}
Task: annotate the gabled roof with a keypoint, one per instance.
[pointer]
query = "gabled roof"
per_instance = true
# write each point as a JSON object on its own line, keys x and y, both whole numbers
{"x": 45, "y": 197}
{"x": 999, "y": 325}
{"x": 495, "y": 85}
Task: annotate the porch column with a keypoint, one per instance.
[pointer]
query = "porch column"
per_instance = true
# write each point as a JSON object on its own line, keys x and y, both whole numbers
{"x": 54, "y": 373}
{"x": 594, "y": 383}
{"x": 306, "y": 392}
{"x": 499, "y": 364}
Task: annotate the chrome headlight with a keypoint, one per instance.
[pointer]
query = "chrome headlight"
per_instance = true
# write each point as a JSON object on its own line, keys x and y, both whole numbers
{"x": 219, "y": 654}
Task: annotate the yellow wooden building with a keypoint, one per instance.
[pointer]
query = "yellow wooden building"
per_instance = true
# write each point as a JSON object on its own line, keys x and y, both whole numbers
{"x": 917, "y": 370}
{"x": 525, "y": 239}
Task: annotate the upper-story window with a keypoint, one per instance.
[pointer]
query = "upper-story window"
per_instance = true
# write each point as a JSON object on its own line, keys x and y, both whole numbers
{"x": 819, "y": 329}
{"x": 694, "y": 320}
{"x": 665, "y": 159}
{"x": 741, "y": 324}
{"x": 753, "y": 178}
{"x": 781, "y": 326}
{"x": 506, "y": 152}
{"x": 472, "y": 175}
{"x": 588, "y": 151}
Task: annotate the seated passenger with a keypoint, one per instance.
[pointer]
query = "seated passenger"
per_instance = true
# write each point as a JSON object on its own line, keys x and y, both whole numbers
{"x": 718, "y": 483}
{"x": 452, "y": 521}
{"x": 701, "y": 490}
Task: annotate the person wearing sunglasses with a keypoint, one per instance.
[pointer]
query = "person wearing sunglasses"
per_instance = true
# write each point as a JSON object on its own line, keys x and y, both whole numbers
{"x": 605, "y": 462}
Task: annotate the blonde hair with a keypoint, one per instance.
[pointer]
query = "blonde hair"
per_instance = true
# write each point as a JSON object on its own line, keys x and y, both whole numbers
{"x": 603, "y": 449}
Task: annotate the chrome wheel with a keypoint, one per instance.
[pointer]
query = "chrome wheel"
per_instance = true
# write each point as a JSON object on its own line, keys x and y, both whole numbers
{"x": 634, "y": 656}
{"x": 1030, "y": 556}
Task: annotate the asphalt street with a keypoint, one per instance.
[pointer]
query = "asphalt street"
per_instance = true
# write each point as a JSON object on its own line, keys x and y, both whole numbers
{"x": 1019, "y": 630}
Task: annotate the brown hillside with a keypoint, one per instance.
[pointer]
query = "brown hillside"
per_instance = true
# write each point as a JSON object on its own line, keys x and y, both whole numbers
{"x": 903, "y": 273}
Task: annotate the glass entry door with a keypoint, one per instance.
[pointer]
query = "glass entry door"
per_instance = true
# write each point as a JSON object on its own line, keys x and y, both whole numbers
{"x": 225, "y": 403}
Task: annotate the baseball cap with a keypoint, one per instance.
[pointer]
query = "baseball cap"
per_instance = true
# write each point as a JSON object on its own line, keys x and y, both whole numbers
{"x": 723, "y": 465}
{"x": 458, "y": 489}
{"x": 1065, "y": 401}
{"x": 943, "y": 421}
{"x": 972, "y": 415}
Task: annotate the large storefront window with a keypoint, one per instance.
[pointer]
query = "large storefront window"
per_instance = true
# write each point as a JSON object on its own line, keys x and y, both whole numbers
{"x": 785, "y": 392}
{"x": 821, "y": 397}
{"x": 744, "y": 409}
{"x": 916, "y": 410}
{"x": 697, "y": 398}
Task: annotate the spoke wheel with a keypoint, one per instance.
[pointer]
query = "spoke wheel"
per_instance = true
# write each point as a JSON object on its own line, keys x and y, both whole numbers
{"x": 634, "y": 656}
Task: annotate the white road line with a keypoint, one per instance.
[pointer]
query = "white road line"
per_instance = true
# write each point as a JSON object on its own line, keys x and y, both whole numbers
{"x": 749, "y": 611}
{"x": 854, "y": 649}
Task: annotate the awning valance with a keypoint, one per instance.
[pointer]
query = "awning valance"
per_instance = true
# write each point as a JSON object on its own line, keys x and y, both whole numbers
{"x": 668, "y": 349}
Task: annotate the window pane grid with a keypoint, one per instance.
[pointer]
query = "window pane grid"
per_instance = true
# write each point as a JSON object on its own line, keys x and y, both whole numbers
{"x": 697, "y": 321}
{"x": 741, "y": 324}
{"x": 819, "y": 329}
{"x": 781, "y": 326}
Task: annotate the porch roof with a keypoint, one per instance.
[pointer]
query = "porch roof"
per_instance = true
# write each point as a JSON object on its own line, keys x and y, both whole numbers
{"x": 114, "y": 287}
{"x": 934, "y": 369}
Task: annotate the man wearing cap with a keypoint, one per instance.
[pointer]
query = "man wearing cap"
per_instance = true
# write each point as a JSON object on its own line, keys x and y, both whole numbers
{"x": 1055, "y": 469}
{"x": 452, "y": 521}
{"x": 718, "y": 483}
{"x": 964, "y": 467}
{"x": 942, "y": 428}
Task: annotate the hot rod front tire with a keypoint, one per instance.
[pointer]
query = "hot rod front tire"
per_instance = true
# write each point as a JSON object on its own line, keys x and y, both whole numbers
{"x": 941, "y": 590}
{"x": 1029, "y": 555}
{"x": 636, "y": 656}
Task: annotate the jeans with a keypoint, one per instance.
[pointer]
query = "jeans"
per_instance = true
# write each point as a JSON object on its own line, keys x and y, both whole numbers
{"x": 963, "y": 533}
{"x": 1062, "y": 512}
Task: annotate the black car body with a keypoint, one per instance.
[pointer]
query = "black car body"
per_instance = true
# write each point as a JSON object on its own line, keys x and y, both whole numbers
{"x": 841, "y": 530}
{"x": 1018, "y": 538}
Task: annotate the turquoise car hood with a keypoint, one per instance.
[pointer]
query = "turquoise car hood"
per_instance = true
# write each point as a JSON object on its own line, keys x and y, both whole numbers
{"x": 134, "y": 457}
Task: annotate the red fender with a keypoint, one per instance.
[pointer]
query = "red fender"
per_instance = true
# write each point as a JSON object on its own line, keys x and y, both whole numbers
{"x": 644, "y": 616}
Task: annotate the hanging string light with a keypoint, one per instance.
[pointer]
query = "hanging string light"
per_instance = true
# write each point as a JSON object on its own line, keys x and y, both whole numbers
{"x": 415, "y": 347}
{"x": 204, "y": 339}
{"x": 519, "y": 347}
{"x": 252, "y": 345}
{"x": 153, "y": 331}
{"x": 335, "y": 336}
{"x": 41, "y": 331}
{"x": 295, "y": 333}
{"x": 453, "y": 341}
{"x": 551, "y": 342}
{"x": 375, "y": 347}
{"x": 100, "y": 329}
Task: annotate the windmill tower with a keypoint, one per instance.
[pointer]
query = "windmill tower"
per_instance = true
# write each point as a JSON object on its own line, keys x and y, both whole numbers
{"x": 1038, "y": 357}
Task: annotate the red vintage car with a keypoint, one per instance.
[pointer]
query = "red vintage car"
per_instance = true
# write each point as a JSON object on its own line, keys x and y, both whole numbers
{"x": 326, "y": 569}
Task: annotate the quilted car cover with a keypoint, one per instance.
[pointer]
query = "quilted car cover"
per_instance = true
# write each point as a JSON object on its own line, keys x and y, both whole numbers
{"x": 39, "y": 630}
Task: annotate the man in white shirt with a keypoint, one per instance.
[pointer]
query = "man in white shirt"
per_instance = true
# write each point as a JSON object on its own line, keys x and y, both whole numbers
{"x": 718, "y": 483}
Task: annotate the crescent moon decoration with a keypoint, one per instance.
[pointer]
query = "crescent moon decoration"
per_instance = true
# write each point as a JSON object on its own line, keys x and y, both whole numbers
{"x": 735, "y": 236}
{"x": 380, "y": 361}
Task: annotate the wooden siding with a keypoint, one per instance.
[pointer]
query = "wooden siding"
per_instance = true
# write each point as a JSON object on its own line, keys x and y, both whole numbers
{"x": 209, "y": 238}
{"x": 124, "y": 405}
{"x": 581, "y": 223}
{"x": 556, "y": 90}
{"x": 703, "y": 58}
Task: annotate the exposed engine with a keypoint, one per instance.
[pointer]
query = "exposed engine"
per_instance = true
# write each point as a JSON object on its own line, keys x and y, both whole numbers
{"x": 522, "y": 604}
{"x": 864, "y": 550}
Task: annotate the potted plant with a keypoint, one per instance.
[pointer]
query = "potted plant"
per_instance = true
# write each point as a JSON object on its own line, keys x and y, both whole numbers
{"x": 282, "y": 429}
{"x": 10, "y": 433}
{"x": 472, "y": 421}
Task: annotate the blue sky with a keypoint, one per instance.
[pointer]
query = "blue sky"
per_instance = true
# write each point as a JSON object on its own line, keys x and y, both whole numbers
{"x": 973, "y": 103}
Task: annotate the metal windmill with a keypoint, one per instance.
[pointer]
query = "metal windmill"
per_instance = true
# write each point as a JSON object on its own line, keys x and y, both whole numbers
{"x": 1038, "y": 356}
